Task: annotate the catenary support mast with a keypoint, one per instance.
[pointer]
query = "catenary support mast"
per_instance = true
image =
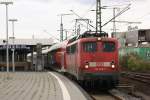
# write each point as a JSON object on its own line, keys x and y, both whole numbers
{"x": 98, "y": 16}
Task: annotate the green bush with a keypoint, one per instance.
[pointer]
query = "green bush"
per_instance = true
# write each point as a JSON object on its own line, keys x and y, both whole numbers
{"x": 133, "y": 62}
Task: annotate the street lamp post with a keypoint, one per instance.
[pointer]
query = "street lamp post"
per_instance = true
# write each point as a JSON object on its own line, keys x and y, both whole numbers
{"x": 7, "y": 49}
{"x": 13, "y": 49}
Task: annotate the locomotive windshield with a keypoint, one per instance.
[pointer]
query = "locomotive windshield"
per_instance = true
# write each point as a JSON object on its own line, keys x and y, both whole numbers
{"x": 90, "y": 46}
{"x": 108, "y": 46}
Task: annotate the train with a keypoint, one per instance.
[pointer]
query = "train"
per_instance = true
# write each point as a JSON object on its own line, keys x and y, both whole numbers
{"x": 87, "y": 57}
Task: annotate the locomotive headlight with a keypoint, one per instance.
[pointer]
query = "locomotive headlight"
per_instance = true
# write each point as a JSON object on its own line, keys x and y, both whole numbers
{"x": 86, "y": 66}
{"x": 99, "y": 39}
{"x": 113, "y": 66}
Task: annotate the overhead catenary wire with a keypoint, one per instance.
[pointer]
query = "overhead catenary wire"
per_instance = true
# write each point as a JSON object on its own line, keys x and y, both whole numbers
{"x": 82, "y": 18}
{"x": 120, "y": 13}
{"x": 52, "y": 36}
{"x": 92, "y": 5}
{"x": 130, "y": 22}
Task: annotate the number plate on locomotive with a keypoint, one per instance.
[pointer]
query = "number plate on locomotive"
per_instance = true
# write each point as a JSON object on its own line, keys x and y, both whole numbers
{"x": 92, "y": 64}
{"x": 98, "y": 64}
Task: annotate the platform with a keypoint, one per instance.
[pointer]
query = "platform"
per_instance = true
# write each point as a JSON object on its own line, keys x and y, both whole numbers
{"x": 39, "y": 86}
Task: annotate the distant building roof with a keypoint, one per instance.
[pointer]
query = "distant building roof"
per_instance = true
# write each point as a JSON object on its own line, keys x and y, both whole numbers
{"x": 29, "y": 41}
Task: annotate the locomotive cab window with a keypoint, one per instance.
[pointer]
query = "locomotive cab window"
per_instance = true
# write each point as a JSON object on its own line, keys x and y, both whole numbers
{"x": 68, "y": 50}
{"x": 90, "y": 46}
{"x": 108, "y": 46}
{"x": 72, "y": 49}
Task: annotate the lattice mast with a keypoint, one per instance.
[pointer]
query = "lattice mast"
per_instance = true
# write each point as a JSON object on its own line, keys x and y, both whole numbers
{"x": 98, "y": 17}
{"x": 61, "y": 30}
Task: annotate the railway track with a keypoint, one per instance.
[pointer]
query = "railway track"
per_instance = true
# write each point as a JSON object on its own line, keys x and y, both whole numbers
{"x": 97, "y": 93}
{"x": 113, "y": 94}
{"x": 141, "y": 77}
{"x": 103, "y": 96}
{"x": 101, "y": 93}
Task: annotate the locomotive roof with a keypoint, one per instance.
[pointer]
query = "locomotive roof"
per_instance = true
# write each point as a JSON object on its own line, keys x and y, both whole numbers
{"x": 89, "y": 34}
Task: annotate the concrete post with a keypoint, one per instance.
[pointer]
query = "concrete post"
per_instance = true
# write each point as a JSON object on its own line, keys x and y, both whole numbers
{"x": 32, "y": 59}
{"x": 39, "y": 57}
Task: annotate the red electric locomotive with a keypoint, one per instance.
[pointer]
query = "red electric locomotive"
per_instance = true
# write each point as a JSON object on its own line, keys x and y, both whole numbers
{"x": 92, "y": 57}
{"x": 87, "y": 57}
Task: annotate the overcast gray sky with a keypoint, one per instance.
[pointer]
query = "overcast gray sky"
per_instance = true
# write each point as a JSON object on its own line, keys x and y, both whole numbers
{"x": 37, "y": 16}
